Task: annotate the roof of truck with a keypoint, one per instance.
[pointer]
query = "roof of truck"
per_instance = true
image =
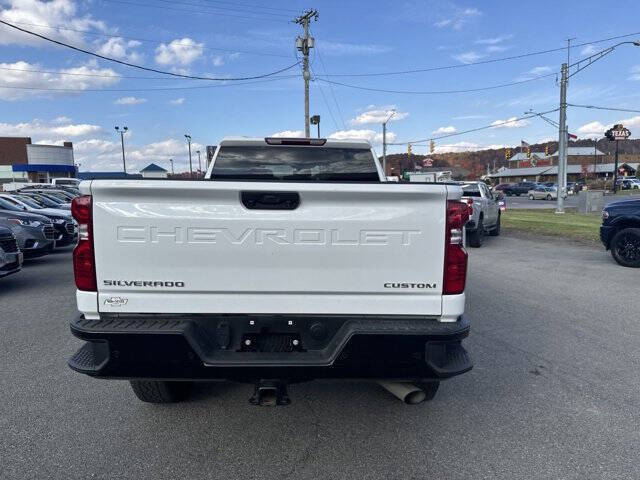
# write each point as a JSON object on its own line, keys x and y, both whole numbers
{"x": 329, "y": 142}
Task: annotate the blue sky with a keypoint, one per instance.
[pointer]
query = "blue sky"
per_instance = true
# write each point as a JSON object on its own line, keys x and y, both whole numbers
{"x": 247, "y": 38}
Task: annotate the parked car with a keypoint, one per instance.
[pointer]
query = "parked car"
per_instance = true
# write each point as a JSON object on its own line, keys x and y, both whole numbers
{"x": 543, "y": 193}
{"x": 549, "y": 184}
{"x": 10, "y": 255}
{"x": 35, "y": 233}
{"x": 521, "y": 188}
{"x": 61, "y": 195}
{"x": 63, "y": 222}
{"x": 620, "y": 231}
{"x": 47, "y": 201}
{"x": 65, "y": 181}
{"x": 484, "y": 213}
{"x": 501, "y": 186}
{"x": 634, "y": 183}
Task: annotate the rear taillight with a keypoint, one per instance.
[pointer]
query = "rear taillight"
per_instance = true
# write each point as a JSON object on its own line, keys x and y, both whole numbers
{"x": 84, "y": 265}
{"x": 455, "y": 256}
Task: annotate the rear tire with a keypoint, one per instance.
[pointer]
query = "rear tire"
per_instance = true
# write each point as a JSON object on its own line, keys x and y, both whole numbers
{"x": 152, "y": 391}
{"x": 625, "y": 247}
{"x": 531, "y": 197}
{"x": 476, "y": 237}
{"x": 495, "y": 231}
{"x": 548, "y": 197}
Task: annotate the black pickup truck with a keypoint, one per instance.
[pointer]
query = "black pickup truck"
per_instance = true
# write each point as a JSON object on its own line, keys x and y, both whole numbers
{"x": 620, "y": 231}
{"x": 518, "y": 189}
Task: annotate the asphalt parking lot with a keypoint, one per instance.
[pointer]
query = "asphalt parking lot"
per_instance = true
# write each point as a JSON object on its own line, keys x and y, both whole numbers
{"x": 554, "y": 391}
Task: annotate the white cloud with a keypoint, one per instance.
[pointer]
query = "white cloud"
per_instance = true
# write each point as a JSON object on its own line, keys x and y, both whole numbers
{"x": 458, "y": 18}
{"x": 39, "y": 129}
{"x": 497, "y": 48}
{"x": 102, "y": 155}
{"x": 21, "y": 75}
{"x": 177, "y": 101}
{"x": 589, "y": 50}
{"x": 289, "y": 133}
{"x": 494, "y": 40}
{"x": 61, "y": 119}
{"x": 469, "y": 117}
{"x": 597, "y": 129}
{"x": 635, "y": 73}
{"x": 356, "y": 134}
{"x": 468, "y": 57}
{"x": 53, "y": 12}
{"x": 130, "y": 101}
{"x": 540, "y": 70}
{"x": 464, "y": 147}
{"x": 179, "y": 52}
{"x": 444, "y": 130}
{"x": 217, "y": 60}
{"x": 121, "y": 49}
{"x": 339, "y": 48}
{"x": 375, "y": 114}
{"x": 512, "y": 122}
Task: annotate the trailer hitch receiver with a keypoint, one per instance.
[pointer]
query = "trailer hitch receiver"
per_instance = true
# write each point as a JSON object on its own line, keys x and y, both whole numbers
{"x": 269, "y": 393}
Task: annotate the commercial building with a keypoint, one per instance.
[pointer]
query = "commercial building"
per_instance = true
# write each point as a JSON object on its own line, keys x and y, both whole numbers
{"x": 153, "y": 171}
{"x": 574, "y": 172}
{"x": 39, "y": 163}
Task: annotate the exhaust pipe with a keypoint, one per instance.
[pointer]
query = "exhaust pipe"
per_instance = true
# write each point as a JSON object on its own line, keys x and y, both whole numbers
{"x": 406, "y": 392}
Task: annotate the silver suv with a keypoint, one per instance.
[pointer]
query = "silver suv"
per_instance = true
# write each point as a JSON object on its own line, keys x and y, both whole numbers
{"x": 35, "y": 233}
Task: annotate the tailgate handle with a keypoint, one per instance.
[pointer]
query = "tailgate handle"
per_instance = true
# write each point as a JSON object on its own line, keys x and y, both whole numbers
{"x": 270, "y": 200}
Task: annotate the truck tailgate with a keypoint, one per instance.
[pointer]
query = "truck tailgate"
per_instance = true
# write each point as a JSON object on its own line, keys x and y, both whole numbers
{"x": 193, "y": 247}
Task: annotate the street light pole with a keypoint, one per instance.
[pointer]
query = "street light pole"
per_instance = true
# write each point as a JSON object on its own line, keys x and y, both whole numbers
{"x": 199, "y": 163}
{"x": 188, "y": 137}
{"x": 384, "y": 143}
{"x": 122, "y": 132}
{"x": 171, "y": 160}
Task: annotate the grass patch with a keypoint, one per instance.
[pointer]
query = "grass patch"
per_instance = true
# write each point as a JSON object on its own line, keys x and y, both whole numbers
{"x": 576, "y": 226}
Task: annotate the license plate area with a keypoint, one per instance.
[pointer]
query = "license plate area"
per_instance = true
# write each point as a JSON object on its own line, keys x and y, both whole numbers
{"x": 268, "y": 342}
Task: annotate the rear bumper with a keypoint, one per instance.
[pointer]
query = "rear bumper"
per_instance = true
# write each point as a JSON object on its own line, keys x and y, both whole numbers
{"x": 201, "y": 347}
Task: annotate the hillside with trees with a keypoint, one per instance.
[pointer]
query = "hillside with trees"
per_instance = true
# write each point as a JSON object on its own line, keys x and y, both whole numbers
{"x": 474, "y": 164}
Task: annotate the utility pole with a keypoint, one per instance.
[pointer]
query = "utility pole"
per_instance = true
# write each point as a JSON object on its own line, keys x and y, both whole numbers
{"x": 199, "y": 163}
{"x": 384, "y": 143}
{"x": 562, "y": 140}
{"x": 188, "y": 137}
{"x": 122, "y": 131}
{"x": 303, "y": 44}
{"x": 171, "y": 160}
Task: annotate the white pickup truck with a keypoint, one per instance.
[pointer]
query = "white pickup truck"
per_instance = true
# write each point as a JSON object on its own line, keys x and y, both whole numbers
{"x": 292, "y": 261}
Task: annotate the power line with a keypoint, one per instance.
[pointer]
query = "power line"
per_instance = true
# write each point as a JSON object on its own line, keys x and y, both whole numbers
{"x": 116, "y": 75}
{"x": 328, "y": 107}
{"x": 190, "y": 10}
{"x": 133, "y": 65}
{"x": 479, "y": 62}
{"x": 324, "y": 69}
{"x": 254, "y": 6}
{"x": 613, "y": 109}
{"x": 435, "y": 92}
{"x": 146, "y": 40}
{"x": 193, "y": 87}
{"x": 486, "y": 127}
{"x": 215, "y": 7}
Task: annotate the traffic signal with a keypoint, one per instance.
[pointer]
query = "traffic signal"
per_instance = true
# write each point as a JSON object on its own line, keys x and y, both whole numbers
{"x": 546, "y": 151}
{"x": 432, "y": 146}
{"x": 507, "y": 153}
{"x": 528, "y": 152}
{"x": 409, "y": 152}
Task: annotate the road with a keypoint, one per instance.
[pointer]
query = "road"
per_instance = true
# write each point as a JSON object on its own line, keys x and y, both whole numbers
{"x": 554, "y": 392}
{"x": 571, "y": 201}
